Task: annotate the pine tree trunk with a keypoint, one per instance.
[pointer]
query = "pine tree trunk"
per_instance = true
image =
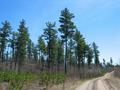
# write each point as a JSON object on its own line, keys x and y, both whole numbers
{"x": 49, "y": 57}
{"x": 2, "y": 56}
{"x": 66, "y": 57}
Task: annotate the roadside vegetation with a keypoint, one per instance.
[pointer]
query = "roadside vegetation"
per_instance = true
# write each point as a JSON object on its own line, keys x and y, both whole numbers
{"x": 17, "y": 81}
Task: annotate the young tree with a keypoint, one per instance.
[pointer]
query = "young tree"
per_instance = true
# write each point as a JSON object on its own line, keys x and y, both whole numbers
{"x": 66, "y": 28}
{"x": 22, "y": 41}
{"x": 5, "y": 32}
{"x": 96, "y": 54}
{"x": 50, "y": 35}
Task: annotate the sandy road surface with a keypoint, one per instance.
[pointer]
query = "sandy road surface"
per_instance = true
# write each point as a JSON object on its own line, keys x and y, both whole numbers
{"x": 107, "y": 82}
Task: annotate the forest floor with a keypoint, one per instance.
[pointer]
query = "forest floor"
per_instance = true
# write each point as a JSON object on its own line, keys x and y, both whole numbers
{"x": 106, "y": 82}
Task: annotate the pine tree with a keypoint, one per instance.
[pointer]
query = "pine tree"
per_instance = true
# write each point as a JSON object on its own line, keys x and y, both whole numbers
{"x": 85, "y": 51}
{"x": 22, "y": 41}
{"x": 66, "y": 28}
{"x": 42, "y": 50}
{"x": 35, "y": 53}
{"x": 80, "y": 52}
{"x": 13, "y": 42}
{"x": 29, "y": 50}
{"x": 5, "y": 32}
{"x": 50, "y": 35}
{"x": 71, "y": 50}
{"x": 41, "y": 47}
{"x": 96, "y": 54}
{"x": 0, "y": 44}
{"x": 54, "y": 51}
{"x": 60, "y": 52}
{"x": 80, "y": 45}
{"x": 13, "y": 45}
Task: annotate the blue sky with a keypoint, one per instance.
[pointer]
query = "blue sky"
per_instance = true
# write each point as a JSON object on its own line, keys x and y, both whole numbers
{"x": 98, "y": 20}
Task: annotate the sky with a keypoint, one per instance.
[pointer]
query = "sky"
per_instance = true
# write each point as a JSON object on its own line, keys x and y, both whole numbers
{"x": 97, "y": 20}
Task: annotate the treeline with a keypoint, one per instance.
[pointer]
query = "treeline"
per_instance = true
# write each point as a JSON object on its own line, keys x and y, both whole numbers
{"x": 58, "y": 47}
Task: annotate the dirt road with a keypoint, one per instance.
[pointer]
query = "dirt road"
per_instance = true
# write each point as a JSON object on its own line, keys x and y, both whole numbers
{"x": 107, "y": 82}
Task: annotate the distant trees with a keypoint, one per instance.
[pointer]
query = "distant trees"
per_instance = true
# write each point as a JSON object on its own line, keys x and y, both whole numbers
{"x": 108, "y": 64}
{"x": 66, "y": 28}
{"x": 111, "y": 61}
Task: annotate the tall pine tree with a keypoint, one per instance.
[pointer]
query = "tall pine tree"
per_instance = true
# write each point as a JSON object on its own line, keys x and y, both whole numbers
{"x": 66, "y": 28}
{"x": 5, "y": 32}
{"x": 22, "y": 41}
{"x": 50, "y": 35}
